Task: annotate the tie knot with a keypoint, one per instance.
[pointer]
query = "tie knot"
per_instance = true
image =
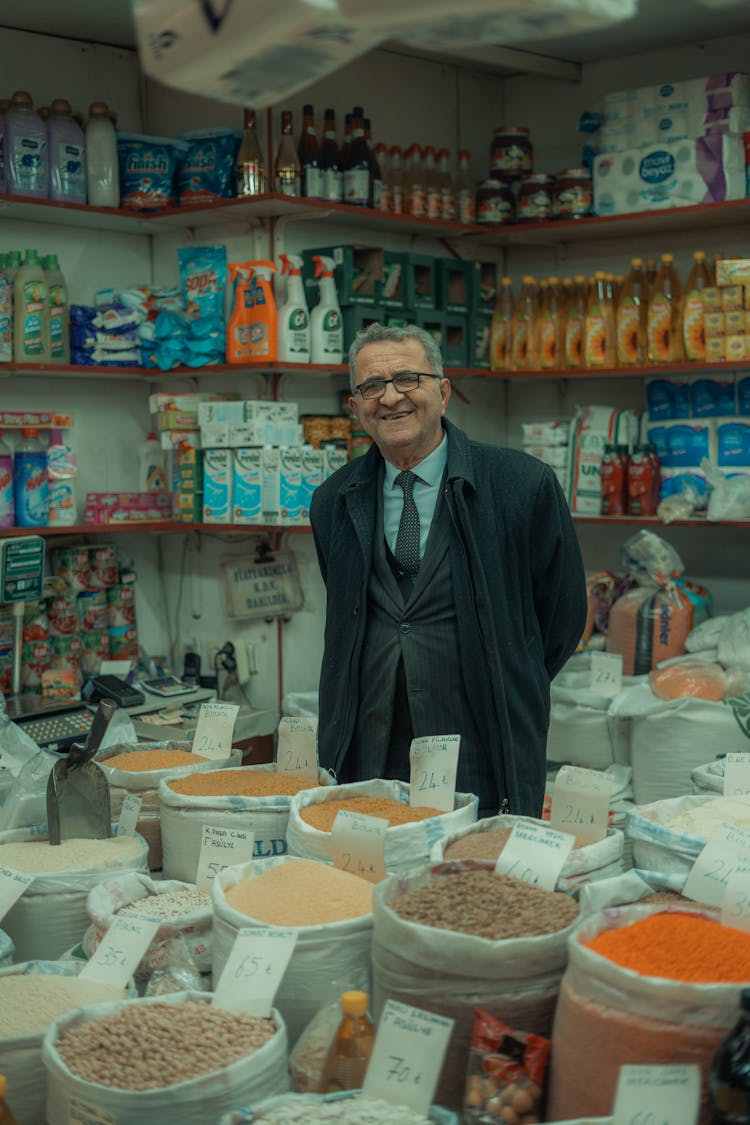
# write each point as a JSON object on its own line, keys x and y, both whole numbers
{"x": 405, "y": 480}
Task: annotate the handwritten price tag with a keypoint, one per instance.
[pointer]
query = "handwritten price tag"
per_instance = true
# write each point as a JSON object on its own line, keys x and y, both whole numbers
{"x": 606, "y": 673}
{"x": 357, "y": 844}
{"x": 120, "y": 950}
{"x": 735, "y": 908}
{"x": 12, "y": 885}
{"x": 535, "y": 854}
{"x": 220, "y": 848}
{"x": 580, "y": 802}
{"x": 253, "y": 972}
{"x": 433, "y": 761}
{"x": 214, "y": 730}
{"x": 657, "y": 1095}
{"x": 407, "y": 1056}
{"x": 737, "y": 775}
{"x": 129, "y": 813}
{"x": 297, "y": 750}
{"x": 725, "y": 852}
{"x": 81, "y": 1112}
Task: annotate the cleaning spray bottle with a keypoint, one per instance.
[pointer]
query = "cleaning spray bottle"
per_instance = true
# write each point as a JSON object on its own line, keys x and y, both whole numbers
{"x": 252, "y": 329}
{"x": 294, "y": 319}
{"x": 325, "y": 319}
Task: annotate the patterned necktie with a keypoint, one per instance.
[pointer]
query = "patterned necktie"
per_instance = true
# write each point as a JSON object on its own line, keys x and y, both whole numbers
{"x": 407, "y": 540}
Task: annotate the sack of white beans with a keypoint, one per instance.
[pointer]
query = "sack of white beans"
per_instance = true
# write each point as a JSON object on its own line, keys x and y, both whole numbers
{"x": 50, "y": 916}
{"x": 659, "y": 845}
{"x": 185, "y": 911}
{"x": 406, "y": 845}
{"x": 183, "y": 816}
{"x": 348, "y": 1108}
{"x": 322, "y": 953}
{"x": 198, "y": 1062}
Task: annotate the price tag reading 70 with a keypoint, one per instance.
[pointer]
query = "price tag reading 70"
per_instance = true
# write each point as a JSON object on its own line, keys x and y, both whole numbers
{"x": 407, "y": 1056}
{"x": 657, "y": 1095}
{"x": 253, "y": 971}
{"x": 433, "y": 762}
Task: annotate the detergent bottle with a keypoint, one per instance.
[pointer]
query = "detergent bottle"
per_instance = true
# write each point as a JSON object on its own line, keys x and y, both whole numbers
{"x": 326, "y": 322}
{"x": 294, "y": 319}
{"x": 30, "y": 312}
{"x": 252, "y": 330}
{"x": 25, "y": 148}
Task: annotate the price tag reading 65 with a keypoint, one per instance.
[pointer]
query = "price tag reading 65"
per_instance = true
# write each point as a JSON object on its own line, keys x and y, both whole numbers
{"x": 253, "y": 971}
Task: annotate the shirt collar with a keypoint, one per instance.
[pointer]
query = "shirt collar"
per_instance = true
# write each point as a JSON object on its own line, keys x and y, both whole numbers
{"x": 429, "y": 470}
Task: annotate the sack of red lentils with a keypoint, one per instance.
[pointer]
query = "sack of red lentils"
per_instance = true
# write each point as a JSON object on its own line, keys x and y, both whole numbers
{"x": 346, "y": 1108}
{"x": 209, "y": 1061}
{"x": 669, "y": 835}
{"x": 408, "y": 842}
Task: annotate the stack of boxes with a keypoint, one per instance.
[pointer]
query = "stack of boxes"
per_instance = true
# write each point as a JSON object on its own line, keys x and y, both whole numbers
{"x": 726, "y": 312}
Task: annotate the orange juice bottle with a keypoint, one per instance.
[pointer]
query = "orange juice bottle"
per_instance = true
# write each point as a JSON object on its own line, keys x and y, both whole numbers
{"x": 664, "y": 335}
{"x": 600, "y": 332}
{"x": 632, "y": 317}
{"x": 500, "y": 329}
{"x": 522, "y": 327}
{"x": 349, "y": 1053}
{"x": 575, "y": 322}
{"x": 693, "y": 335}
{"x": 552, "y": 328}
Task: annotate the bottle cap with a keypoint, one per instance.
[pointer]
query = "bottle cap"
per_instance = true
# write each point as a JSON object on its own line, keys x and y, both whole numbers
{"x": 329, "y": 114}
{"x": 636, "y": 261}
{"x": 358, "y": 111}
{"x": 307, "y": 110}
{"x": 21, "y": 98}
{"x": 98, "y": 109}
{"x": 354, "y": 1003}
{"x": 61, "y": 105}
{"x": 29, "y": 431}
{"x": 463, "y": 154}
{"x": 395, "y": 150}
{"x": 699, "y": 255}
{"x": 667, "y": 257}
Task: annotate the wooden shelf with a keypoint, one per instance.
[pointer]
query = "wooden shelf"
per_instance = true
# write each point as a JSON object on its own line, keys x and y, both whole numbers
{"x": 642, "y": 521}
{"x": 152, "y": 374}
{"x": 686, "y": 367}
{"x": 160, "y": 527}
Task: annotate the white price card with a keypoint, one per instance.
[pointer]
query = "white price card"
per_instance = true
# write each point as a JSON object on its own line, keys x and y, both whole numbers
{"x": 407, "y": 1056}
{"x": 657, "y": 1095}
{"x": 220, "y": 848}
{"x": 728, "y": 849}
{"x": 357, "y": 844}
{"x": 580, "y": 802}
{"x": 81, "y": 1112}
{"x": 606, "y": 673}
{"x": 297, "y": 748}
{"x": 253, "y": 971}
{"x": 735, "y": 907}
{"x": 120, "y": 950}
{"x": 12, "y": 885}
{"x": 535, "y": 854}
{"x": 214, "y": 730}
{"x": 433, "y": 761}
{"x": 737, "y": 775}
{"x": 129, "y": 813}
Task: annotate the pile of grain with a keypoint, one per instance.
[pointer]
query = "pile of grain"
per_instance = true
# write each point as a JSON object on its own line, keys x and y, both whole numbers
{"x": 323, "y": 814}
{"x": 236, "y": 783}
{"x": 170, "y": 905}
{"x": 29, "y": 1002}
{"x": 156, "y": 759}
{"x": 488, "y": 845}
{"x": 33, "y": 856}
{"x": 301, "y": 893}
{"x": 707, "y": 818}
{"x": 358, "y": 1110}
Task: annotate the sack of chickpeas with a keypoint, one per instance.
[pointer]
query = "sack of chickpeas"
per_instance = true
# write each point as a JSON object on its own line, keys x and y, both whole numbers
{"x": 175, "y": 1059}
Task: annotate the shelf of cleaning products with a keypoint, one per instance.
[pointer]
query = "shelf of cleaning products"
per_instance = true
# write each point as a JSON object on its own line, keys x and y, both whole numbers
{"x": 151, "y": 374}
{"x": 154, "y": 527}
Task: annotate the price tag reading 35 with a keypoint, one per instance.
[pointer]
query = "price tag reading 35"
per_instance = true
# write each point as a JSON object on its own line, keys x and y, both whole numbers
{"x": 214, "y": 730}
{"x": 129, "y": 813}
{"x": 728, "y": 848}
{"x": 735, "y": 909}
{"x": 737, "y": 775}
{"x": 606, "y": 673}
{"x": 657, "y": 1095}
{"x": 358, "y": 844}
{"x": 433, "y": 762}
{"x": 12, "y": 885}
{"x": 253, "y": 971}
{"x": 220, "y": 848}
{"x": 297, "y": 750}
{"x": 120, "y": 950}
{"x": 535, "y": 854}
{"x": 407, "y": 1056}
{"x": 580, "y": 802}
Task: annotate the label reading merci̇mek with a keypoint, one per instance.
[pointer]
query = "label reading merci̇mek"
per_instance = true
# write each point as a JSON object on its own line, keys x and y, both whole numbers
{"x": 297, "y": 749}
{"x": 357, "y": 844}
{"x": 12, "y": 885}
{"x": 220, "y": 848}
{"x": 535, "y": 854}
{"x": 433, "y": 762}
{"x": 710, "y": 874}
{"x": 129, "y": 813}
{"x": 122, "y": 947}
{"x": 580, "y": 802}
{"x": 214, "y": 730}
{"x": 736, "y": 775}
{"x": 253, "y": 971}
{"x": 407, "y": 1056}
{"x": 657, "y": 1095}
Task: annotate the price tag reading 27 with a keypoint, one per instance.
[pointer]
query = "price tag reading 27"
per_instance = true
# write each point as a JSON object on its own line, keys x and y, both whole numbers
{"x": 433, "y": 762}
{"x": 657, "y": 1095}
{"x": 407, "y": 1056}
{"x": 214, "y": 730}
{"x": 358, "y": 844}
{"x": 580, "y": 802}
{"x": 253, "y": 971}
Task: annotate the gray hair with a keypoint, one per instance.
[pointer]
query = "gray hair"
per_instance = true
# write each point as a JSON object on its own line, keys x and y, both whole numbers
{"x": 377, "y": 333}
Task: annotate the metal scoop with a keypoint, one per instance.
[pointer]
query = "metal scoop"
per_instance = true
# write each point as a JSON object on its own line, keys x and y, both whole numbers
{"x": 78, "y": 805}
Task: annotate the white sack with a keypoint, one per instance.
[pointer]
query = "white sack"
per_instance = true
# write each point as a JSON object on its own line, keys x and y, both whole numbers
{"x": 734, "y": 641}
{"x": 436, "y": 1114}
{"x": 709, "y": 778}
{"x": 656, "y": 847}
{"x": 582, "y": 730}
{"x": 628, "y": 888}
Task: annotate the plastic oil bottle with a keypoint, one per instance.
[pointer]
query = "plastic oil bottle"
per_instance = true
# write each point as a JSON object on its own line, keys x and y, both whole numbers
{"x": 57, "y": 311}
{"x": 729, "y": 1077}
{"x": 6, "y": 1114}
{"x": 349, "y": 1054}
{"x": 693, "y": 325}
{"x": 524, "y": 326}
{"x": 664, "y": 329}
{"x": 552, "y": 327}
{"x": 326, "y": 323}
{"x": 600, "y": 332}
{"x": 293, "y": 317}
{"x": 575, "y": 323}
{"x": 632, "y": 317}
{"x": 30, "y": 312}
{"x": 501, "y": 327}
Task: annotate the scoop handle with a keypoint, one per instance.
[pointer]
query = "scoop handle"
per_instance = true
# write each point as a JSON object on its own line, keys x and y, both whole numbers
{"x": 97, "y": 730}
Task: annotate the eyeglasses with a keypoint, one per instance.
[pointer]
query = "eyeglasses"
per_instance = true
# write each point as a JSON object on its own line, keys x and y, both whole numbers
{"x": 403, "y": 381}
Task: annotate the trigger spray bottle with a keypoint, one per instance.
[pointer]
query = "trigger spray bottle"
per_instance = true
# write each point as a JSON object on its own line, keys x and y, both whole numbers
{"x": 326, "y": 322}
{"x": 252, "y": 328}
{"x": 294, "y": 319}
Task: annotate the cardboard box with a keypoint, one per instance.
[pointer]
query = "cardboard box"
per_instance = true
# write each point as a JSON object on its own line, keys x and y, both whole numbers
{"x": 454, "y": 284}
{"x": 217, "y": 486}
{"x": 421, "y": 283}
{"x": 247, "y": 485}
{"x": 478, "y": 348}
{"x": 456, "y": 340}
{"x": 358, "y": 274}
{"x": 270, "y": 474}
{"x": 290, "y": 484}
{"x": 484, "y": 283}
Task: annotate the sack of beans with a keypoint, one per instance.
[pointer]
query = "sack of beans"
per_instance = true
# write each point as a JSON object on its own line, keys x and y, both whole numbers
{"x": 257, "y": 798}
{"x": 581, "y": 731}
{"x": 32, "y": 995}
{"x": 451, "y": 936}
{"x": 50, "y": 916}
{"x": 182, "y": 909}
{"x": 669, "y": 836}
{"x": 644, "y": 985}
{"x": 487, "y": 838}
{"x": 709, "y": 778}
{"x": 346, "y": 1108}
{"x": 330, "y": 909}
{"x": 644, "y": 887}
{"x": 412, "y": 834}
{"x": 208, "y": 1061}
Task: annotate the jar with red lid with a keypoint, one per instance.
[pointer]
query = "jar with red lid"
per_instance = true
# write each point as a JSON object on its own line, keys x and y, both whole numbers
{"x": 572, "y": 195}
{"x": 496, "y": 203}
{"x": 511, "y": 152}
{"x": 535, "y": 197}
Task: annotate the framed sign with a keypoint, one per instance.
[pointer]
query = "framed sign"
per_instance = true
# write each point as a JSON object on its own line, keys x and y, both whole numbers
{"x": 258, "y": 588}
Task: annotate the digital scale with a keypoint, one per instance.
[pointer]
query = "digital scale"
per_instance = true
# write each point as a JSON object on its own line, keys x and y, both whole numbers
{"x": 52, "y": 724}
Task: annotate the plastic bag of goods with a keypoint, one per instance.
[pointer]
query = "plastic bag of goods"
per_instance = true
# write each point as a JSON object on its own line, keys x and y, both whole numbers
{"x": 330, "y": 909}
{"x": 593, "y": 428}
{"x": 581, "y": 730}
{"x": 142, "y": 766}
{"x": 669, "y": 836}
{"x": 644, "y": 986}
{"x": 256, "y": 798}
{"x": 487, "y": 838}
{"x": 410, "y": 837}
{"x": 50, "y": 916}
{"x": 506, "y": 1075}
{"x": 348, "y": 1107}
{"x": 697, "y": 679}
{"x": 187, "y": 1083}
{"x": 32, "y": 994}
{"x": 308, "y": 1058}
{"x": 182, "y": 910}
{"x": 709, "y": 778}
{"x": 449, "y": 937}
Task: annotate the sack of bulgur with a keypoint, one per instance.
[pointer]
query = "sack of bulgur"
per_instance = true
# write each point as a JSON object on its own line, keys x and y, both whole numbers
{"x": 408, "y": 842}
{"x": 331, "y": 910}
{"x": 668, "y": 836}
{"x": 343, "y": 1108}
{"x": 247, "y": 797}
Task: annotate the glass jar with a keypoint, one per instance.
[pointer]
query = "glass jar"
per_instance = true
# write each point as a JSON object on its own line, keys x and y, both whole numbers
{"x": 511, "y": 152}
{"x": 496, "y": 203}
{"x": 535, "y": 198}
{"x": 572, "y": 194}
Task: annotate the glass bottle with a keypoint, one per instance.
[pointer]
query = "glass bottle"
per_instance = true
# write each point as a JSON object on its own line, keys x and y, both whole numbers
{"x": 346, "y": 140}
{"x": 6, "y": 1113}
{"x": 330, "y": 160}
{"x": 357, "y": 164}
{"x": 250, "y": 169}
{"x": 308, "y": 151}
{"x": 729, "y": 1077}
{"x": 287, "y": 171}
{"x": 448, "y": 205}
{"x": 600, "y": 332}
{"x": 575, "y": 323}
{"x": 416, "y": 196}
{"x": 693, "y": 324}
{"x": 433, "y": 192}
{"x": 632, "y": 317}
{"x": 396, "y": 178}
{"x": 376, "y": 171}
{"x": 349, "y": 1054}
{"x": 664, "y": 334}
{"x": 522, "y": 330}
{"x": 465, "y": 198}
{"x": 651, "y": 271}
{"x": 386, "y": 189}
{"x": 501, "y": 327}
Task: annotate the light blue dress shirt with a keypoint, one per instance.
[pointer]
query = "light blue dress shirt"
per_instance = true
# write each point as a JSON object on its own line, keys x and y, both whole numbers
{"x": 429, "y": 474}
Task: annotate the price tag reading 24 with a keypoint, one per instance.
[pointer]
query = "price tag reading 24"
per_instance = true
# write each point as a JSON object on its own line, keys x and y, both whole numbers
{"x": 407, "y": 1056}
{"x": 214, "y": 730}
{"x": 433, "y": 762}
{"x": 122, "y": 947}
{"x": 358, "y": 844}
{"x": 736, "y": 775}
{"x": 657, "y": 1095}
{"x": 253, "y": 971}
{"x": 12, "y": 885}
{"x": 580, "y": 802}
{"x": 710, "y": 875}
{"x": 297, "y": 750}
{"x": 535, "y": 854}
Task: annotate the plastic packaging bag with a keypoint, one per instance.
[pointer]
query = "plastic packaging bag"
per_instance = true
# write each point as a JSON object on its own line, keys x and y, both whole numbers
{"x": 308, "y": 1056}
{"x": 697, "y": 679}
{"x": 729, "y": 498}
{"x": 179, "y": 972}
{"x": 505, "y": 1074}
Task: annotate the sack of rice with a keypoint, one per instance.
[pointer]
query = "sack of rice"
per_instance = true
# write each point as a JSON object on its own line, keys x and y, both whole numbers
{"x": 412, "y": 834}
{"x": 349, "y": 1107}
{"x": 582, "y": 730}
{"x": 668, "y": 836}
{"x": 257, "y": 798}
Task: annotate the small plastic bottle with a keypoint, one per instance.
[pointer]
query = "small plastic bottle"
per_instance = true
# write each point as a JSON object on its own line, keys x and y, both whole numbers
{"x": 349, "y": 1054}
{"x": 396, "y": 180}
{"x": 57, "y": 305}
{"x": 465, "y": 195}
{"x": 152, "y": 463}
{"x": 30, "y": 481}
{"x": 6, "y": 484}
{"x": 449, "y": 207}
{"x": 432, "y": 185}
{"x": 729, "y": 1077}
{"x": 6, "y": 1113}
{"x": 102, "y": 172}
{"x": 501, "y": 327}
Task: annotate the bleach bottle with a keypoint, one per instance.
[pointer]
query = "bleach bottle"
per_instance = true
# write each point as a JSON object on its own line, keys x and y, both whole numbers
{"x": 326, "y": 322}
{"x": 66, "y": 154}
{"x": 6, "y": 484}
{"x": 30, "y": 481}
{"x": 252, "y": 328}
{"x": 294, "y": 319}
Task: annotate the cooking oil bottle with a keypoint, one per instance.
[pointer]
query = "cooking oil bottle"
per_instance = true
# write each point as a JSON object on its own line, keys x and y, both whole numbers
{"x": 632, "y": 317}
{"x": 693, "y": 326}
{"x": 349, "y": 1053}
{"x": 664, "y": 335}
{"x": 523, "y": 326}
{"x": 575, "y": 323}
{"x": 552, "y": 328}
{"x": 501, "y": 327}
{"x": 601, "y": 331}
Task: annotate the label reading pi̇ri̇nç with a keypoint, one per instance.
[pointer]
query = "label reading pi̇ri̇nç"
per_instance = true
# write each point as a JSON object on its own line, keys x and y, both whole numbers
{"x": 253, "y": 970}
{"x": 297, "y": 750}
{"x": 214, "y": 730}
{"x": 580, "y": 802}
{"x": 433, "y": 762}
